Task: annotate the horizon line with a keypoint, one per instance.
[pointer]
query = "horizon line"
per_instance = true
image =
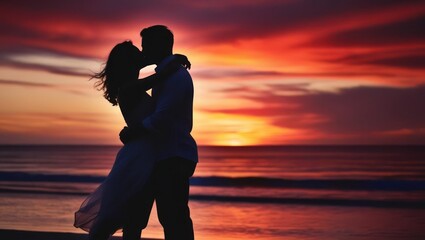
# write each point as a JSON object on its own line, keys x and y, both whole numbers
{"x": 230, "y": 146}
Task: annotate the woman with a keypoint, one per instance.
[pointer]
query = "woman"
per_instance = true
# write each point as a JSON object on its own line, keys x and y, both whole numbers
{"x": 108, "y": 208}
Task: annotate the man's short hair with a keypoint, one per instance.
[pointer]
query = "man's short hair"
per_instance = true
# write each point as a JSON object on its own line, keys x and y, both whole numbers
{"x": 159, "y": 35}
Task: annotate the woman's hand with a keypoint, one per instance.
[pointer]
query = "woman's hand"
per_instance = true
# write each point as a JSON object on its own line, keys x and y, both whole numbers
{"x": 143, "y": 61}
{"x": 173, "y": 66}
{"x": 182, "y": 59}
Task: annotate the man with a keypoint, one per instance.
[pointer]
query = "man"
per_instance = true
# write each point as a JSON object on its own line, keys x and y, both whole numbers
{"x": 171, "y": 124}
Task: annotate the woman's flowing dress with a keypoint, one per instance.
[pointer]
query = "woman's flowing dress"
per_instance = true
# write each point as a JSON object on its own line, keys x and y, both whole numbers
{"x": 109, "y": 204}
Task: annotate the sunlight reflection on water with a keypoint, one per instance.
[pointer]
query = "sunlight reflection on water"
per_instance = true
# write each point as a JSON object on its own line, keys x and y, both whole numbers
{"x": 231, "y": 221}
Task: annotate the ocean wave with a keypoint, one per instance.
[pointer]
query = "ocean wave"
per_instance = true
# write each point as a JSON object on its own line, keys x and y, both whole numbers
{"x": 339, "y": 184}
{"x": 39, "y": 177}
{"x": 263, "y": 182}
{"x": 412, "y": 204}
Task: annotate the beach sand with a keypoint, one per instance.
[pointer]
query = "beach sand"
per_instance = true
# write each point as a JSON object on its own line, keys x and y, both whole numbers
{"x": 31, "y": 235}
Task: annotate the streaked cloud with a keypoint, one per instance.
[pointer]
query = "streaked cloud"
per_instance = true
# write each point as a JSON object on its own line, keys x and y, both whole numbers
{"x": 265, "y": 71}
{"x": 27, "y": 84}
{"x": 362, "y": 115}
{"x": 75, "y": 128}
{"x": 24, "y": 84}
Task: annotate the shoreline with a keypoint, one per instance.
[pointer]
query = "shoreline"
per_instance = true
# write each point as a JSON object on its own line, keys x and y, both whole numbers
{"x": 10, "y": 234}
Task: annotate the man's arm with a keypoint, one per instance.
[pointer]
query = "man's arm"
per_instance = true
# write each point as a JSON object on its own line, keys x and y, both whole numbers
{"x": 168, "y": 103}
{"x": 172, "y": 93}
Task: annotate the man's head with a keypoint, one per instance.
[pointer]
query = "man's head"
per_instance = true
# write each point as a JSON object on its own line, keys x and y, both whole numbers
{"x": 157, "y": 43}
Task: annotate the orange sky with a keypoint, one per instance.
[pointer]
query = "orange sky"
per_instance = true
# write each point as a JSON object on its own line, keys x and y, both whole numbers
{"x": 265, "y": 72}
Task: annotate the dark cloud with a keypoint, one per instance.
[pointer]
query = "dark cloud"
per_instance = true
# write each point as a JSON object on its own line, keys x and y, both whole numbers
{"x": 254, "y": 21}
{"x": 292, "y": 88}
{"x": 244, "y": 74}
{"x": 215, "y": 73}
{"x": 107, "y": 11}
{"x": 410, "y": 60}
{"x": 25, "y": 83}
{"x": 398, "y": 44}
{"x": 39, "y": 85}
{"x": 217, "y": 22}
{"x": 367, "y": 109}
{"x": 6, "y": 60}
{"x": 395, "y": 33}
{"x": 300, "y": 88}
{"x": 359, "y": 111}
{"x": 82, "y": 28}
{"x": 51, "y": 69}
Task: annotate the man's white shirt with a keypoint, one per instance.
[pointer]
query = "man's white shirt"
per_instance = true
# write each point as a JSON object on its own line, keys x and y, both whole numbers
{"x": 172, "y": 119}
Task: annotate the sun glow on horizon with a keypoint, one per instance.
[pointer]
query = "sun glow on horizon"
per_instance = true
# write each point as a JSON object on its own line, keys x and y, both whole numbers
{"x": 238, "y": 130}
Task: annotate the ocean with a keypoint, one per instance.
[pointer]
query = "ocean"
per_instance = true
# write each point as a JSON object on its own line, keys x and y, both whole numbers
{"x": 259, "y": 192}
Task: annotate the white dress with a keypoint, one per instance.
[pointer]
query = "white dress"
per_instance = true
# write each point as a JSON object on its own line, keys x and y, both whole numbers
{"x": 133, "y": 165}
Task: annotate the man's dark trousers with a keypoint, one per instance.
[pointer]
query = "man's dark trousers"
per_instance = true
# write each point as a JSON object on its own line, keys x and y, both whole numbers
{"x": 169, "y": 186}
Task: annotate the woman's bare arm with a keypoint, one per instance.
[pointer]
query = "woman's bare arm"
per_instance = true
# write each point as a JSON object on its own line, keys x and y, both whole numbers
{"x": 148, "y": 82}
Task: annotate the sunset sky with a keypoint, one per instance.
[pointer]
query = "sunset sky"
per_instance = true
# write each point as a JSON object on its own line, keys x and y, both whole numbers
{"x": 265, "y": 71}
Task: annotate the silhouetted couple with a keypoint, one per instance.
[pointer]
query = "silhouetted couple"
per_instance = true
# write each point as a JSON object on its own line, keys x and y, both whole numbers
{"x": 159, "y": 154}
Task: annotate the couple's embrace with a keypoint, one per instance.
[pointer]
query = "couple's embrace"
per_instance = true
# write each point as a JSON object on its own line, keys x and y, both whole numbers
{"x": 159, "y": 154}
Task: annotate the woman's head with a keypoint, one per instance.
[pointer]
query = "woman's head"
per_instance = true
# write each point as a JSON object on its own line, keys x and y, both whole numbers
{"x": 123, "y": 65}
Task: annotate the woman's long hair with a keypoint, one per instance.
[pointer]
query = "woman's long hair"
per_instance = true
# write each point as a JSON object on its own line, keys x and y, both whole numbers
{"x": 119, "y": 68}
